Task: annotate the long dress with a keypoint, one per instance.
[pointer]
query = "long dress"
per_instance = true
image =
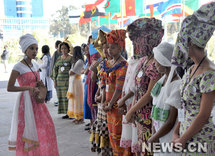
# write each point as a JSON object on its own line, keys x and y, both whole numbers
{"x": 87, "y": 111}
{"x": 45, "y": 77}
{"x": 143, "y": 121}
{"x": 203, "y": 83}
{"x": 99, "y": 130}
{"x": 61, "y": 75}
{"x": 161, "y": 108}
{"x": 44, "y": 124}
{"x": 115, "y": 80}
{"x": 75, "y": 92}
{"x": 129, "y": 130}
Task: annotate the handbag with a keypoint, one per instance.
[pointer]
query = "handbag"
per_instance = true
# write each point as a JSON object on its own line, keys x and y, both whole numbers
{"x": 41, "y": 90}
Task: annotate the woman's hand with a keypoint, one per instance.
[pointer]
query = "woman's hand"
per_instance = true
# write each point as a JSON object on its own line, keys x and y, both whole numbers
{"x": 123, "y": 110}
{"x": 180, "y": 141}
{"x": 128, "y": 116}
{"x": 121, "y": 103}
{"x": 107, "y": 108}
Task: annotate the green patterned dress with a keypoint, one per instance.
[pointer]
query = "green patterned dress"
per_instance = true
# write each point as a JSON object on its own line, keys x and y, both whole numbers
{"x": 200, "y": 84}
{"x": 61, "y": 75}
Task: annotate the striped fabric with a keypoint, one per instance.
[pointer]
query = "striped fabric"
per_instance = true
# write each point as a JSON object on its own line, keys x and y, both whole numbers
{"x": 62, "y": 78}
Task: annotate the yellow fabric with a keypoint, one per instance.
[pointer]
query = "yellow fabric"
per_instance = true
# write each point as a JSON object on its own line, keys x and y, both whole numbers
{"x": 69, "y": 95}
{"x": 77, "y": 77}
{"x": 75, "y": 115}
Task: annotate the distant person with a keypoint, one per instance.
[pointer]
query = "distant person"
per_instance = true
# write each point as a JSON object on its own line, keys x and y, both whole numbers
{"x": 5, "y": 57}
{"x": 55, "y": 56}
{"x": 60, "y": 76}
{"x": 45, "y": 68}
{"x": 32, "y": 128}
{"x": 75, "y": 92}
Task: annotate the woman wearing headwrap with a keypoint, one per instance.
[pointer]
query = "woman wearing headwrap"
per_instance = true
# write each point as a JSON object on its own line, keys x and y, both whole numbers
{"x": 61, "y": 77}
{"x": 148, "y": 33}
{"x": 99, "y": 130}
{"x": 198, "y": 84}
{"x": 32, "y": 129}
{"x": 166, "y": 98}
{"x": 115, "y": 73}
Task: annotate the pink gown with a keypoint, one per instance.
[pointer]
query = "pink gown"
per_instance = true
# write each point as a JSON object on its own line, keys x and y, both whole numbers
{"x": 44, "y": 124}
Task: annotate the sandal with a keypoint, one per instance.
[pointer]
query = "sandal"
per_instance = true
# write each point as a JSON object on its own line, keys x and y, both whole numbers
{"x": 65, "y": 117}
{"x": 79, "y": 122}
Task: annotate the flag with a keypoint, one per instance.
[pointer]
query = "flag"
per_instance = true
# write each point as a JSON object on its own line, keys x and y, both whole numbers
{"x": 112, "y": 6}
{"x": 152, "y": 9}
{"x": 91, "y": 10}
{"x": 83, "y": 20}
{"x": 130, "y": 7}
{"x": 139, "y": 7}
{"x": 105, "y": 20}
{"x": 170, "y": 7}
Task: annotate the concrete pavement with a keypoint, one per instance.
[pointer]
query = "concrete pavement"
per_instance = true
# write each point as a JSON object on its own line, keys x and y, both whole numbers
{"x": 72, "y": 139}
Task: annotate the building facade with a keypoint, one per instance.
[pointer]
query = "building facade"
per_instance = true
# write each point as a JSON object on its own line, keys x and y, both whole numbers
{"x": 20, "y": 16}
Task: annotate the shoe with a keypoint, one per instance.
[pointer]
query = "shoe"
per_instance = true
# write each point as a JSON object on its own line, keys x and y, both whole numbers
{"x": 71, "y": 118}
{"x": 87, "y": 125}
{"x": 55, "y": 103}
{"x": 65, "y": 117}
{"x": 87, "y": 128}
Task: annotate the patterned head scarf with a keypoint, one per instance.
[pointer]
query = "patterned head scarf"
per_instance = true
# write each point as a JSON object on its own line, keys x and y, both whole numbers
{"x": 117, "y": 37}
{"x": 199, "y": 28}
{"x": 146, "y": 33}
{"x": 100, "y": 41}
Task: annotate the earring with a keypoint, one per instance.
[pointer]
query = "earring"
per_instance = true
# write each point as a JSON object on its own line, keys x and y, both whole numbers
{"x": 25, "y": 57}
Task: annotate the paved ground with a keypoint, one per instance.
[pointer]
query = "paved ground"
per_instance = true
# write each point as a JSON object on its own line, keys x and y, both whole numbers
{"x": 72, "y": 139}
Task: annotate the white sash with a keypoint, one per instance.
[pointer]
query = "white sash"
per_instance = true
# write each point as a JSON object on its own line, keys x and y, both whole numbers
{"x": 30, "y": 132}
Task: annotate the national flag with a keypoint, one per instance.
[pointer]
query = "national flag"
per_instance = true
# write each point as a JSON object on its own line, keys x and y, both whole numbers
{"x": 139, "y": 7}
{"x": 170, "y": 7}
{"x": 152, "y": 9}
{"x": 112, "y": 6}
{"x": 130, "y": 7}
{"x": 91, "y": 10}
{"x": 106, "y": 20}
{"x": 83, "y": 20}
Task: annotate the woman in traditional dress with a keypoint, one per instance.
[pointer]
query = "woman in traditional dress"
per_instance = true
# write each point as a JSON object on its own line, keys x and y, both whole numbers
{"x": 87, "y": 111}
{"x": 115, "y": 76}
{"x": 198, "y": 84}
{"x": 99, "y": 130}
{"x": 150, "y": 33}
{"x": 166, "y": 99}
{"x": 32, "y": 129}
{"x": 61, "y": 77}
{"x": 75, "y": 92}
{"x": 45, "y": 67}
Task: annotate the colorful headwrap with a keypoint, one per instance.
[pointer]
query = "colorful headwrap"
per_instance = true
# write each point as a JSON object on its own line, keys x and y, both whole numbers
{"x": 100, "y": 41}
{"x": 117, "y": 37}
{"x": 146, "y": 33}
{"x": 199, "y": 28}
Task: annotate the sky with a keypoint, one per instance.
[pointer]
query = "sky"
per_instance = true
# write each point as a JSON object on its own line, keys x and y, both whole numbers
{"x": 51, "y": 6}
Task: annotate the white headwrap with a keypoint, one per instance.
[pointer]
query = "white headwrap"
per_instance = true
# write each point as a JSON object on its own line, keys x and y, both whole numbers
{"x": 163, "y": 53}
{"x": 27, "y": 40}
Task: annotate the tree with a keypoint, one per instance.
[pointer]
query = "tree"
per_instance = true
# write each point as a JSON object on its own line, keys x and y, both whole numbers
{"x": 60, "y": 25}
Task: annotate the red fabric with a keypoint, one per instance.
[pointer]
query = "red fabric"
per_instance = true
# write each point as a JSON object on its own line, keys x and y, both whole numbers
{"x": 117, "y": 37}
{"x": 151, "y": 7}
{"x": 84, "y": 20}
{"x": 130, "y": 7}
{"x": 44, "y": 124}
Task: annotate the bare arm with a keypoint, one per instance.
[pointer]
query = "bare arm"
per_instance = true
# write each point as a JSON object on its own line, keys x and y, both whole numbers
{"x": 124, "y": 98}
{"x": 11, "y": 83}
{"x": 167, "y": 126}
{"x": 201, "y": 119}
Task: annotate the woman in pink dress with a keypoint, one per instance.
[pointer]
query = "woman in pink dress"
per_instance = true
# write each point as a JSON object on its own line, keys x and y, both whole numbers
{"x": 32, "y": 129}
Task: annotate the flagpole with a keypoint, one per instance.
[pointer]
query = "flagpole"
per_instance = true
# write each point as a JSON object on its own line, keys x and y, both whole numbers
{"x": 99, "y": 21}
{"x": 121, "y": 2}
{"x": 109, "y": 20}
{"x": 90, "y": 26}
